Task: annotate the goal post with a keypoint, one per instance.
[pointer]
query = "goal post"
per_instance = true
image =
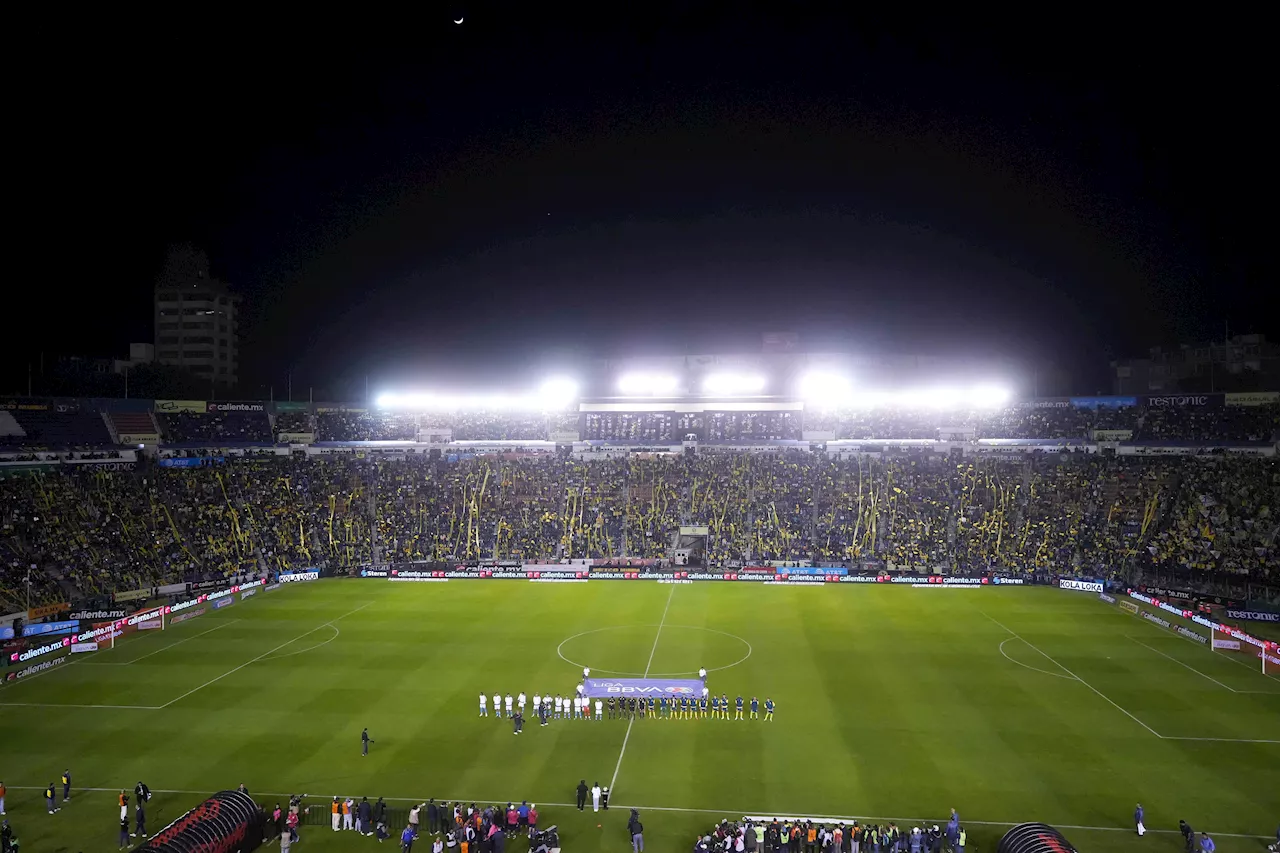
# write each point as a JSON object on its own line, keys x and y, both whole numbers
{"x": 1239, "y": 643}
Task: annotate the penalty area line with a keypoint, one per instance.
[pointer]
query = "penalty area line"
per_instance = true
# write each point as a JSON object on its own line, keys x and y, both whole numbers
{"x": 328, "y": 624}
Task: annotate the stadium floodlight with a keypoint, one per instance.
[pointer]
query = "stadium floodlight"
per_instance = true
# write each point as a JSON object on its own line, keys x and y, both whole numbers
{"x": 732, "y": 384}
{"x": 654, "y": 384}
{"x": 989, "y": 397}
{"x": 827, "y": 390}
{"x": 557, "y": 393}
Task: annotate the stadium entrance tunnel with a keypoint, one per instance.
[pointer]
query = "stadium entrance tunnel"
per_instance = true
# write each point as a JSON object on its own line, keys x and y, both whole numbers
{"x": 1035, "y": 838}
{"x": 227, "y": 822}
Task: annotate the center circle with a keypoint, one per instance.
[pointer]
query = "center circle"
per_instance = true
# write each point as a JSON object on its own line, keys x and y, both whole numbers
{"x": 560, "y": 650}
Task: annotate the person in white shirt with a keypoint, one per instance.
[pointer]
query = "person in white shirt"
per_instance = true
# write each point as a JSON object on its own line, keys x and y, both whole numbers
{"x": 586, "y": 673}
{"x": 537, "y": 702}
{"x": 520, "y": 700}
{"x": 348, "y": 814}
{"x": 509, "y": 700}
{"x": 558, "y": 701}
{"x": 595, "y": 796}
{"x": 437, "y": 846}
{"x": 497, "y": 705}
{"x": 702, "y": 673}
{"x": 599, "y": 710}
{"x": 484, "y": 705}
{"x": 577, "y": 707}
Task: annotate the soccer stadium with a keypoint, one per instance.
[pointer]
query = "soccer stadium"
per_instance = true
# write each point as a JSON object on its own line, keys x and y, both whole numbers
{"x": 905, "y": 620}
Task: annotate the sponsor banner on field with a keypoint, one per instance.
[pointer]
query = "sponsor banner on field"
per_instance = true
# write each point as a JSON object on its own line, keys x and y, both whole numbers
{"x": 223, "y": 602}
{"x": 672, "y": 688}
{"x": 270, "y": 587}
{"x": 49, "y": 628}
{"x": 1104, "y": 597}
{"x": 76, "y": 648}
{"x": 1269, "y": 658}
{"x": 144, "y": 616}
{"x": 34, "y": 669}
{"x": 1081, "y": 586}
{"x": 1003, "y": 581}
{"x": 22, "y": 657}
{"x": 1253, "y": 398}
{"x": 1253, "y": 615}
{"x": 420, "y": 580}
{"x": 1191, "y": 635}
{"x": 98, "y": 615}
{"x": 150, "y": 624}
{"x": 246, "y": 593}
{"x": 190, "y": 614}
{"x": 47, "y": 610}
{"x": 1151, "y": 617}
{"x": 171, "y": 406}
{"x": 940, "y": 586}
{"x": 1229, "y": 645}
{"x": 1129, "y": 607}
{"x": 295, "y": 577}
{"x": 131, "y": 595}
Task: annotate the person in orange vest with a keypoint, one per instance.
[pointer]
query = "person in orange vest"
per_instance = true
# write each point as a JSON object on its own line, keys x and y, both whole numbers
{"x": 347, "y": 816}
{"x": 335, "y": 814}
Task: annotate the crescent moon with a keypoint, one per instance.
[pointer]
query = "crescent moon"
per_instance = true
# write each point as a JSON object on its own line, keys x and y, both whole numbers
{"x": 459, "y": 21}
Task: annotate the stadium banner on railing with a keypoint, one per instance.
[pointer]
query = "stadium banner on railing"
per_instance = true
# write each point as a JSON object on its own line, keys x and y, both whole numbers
{"x": 1112, "y": 434}
{"x": 1104, "y": 597}
{"x": 1253, "y": 615}
{"x": 1184, "y": 401}
{"x": 1103, "y": 402}
{"x": 25, "y": 405}
{"x": 189, "y": 461}
{"x": 1081, "y": 586}
{"x": 290, "y": 406}
{"x": 171, "y": 589}
{"x": 1179, "y": 594}
{"x": 1130, "y": 607}
{"x": 295, "y": 577}
{"x": 196, "y": 407}
{"x": 37, "y": 651}
{"x": 1048, "y": 403}
{"x": 139, "y": 437}
{"x": 48, "y": 610}
{"x": 297, "y": 437}
{"x": 333, "y": 408}
{"x": 229, "y": 406}
{"x": 1253, "y": 398}
{"x": 39, "y": 628}
{"x": 132, "y": 595}
{"x": 810, "y": 570}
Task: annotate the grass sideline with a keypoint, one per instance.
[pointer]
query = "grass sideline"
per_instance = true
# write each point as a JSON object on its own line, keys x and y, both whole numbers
{"x": 1009, "y": 704}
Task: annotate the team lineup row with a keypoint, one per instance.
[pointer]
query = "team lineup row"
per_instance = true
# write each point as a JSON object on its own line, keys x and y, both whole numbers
{"x": 580, "y": 707}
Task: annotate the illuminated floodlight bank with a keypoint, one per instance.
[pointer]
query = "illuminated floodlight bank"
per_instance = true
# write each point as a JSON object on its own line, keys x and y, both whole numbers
{"x": 552, "y": 395}
{"x": 938, "y": 398}
{"x": 653, "y": 384}
{"x": 732, "y": 384}
{"x": 826, "y": 390}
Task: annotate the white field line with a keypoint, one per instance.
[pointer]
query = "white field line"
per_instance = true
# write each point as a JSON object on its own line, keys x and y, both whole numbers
{"x": 159, "y": 650}
{"x": 647, "y": 667}
{"x": 1181, "y": 664}
{"x": 64, "y": 705}
{"x": 264, "y": 654}
{"x": 722, "y": 812}
{"x": 1076, "y": 677}
{"x": 1027, "y": 665}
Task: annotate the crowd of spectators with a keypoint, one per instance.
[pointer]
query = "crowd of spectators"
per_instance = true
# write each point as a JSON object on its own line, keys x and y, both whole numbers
{"x": 180, "y": 427}
{"x": 1088, "y": 514}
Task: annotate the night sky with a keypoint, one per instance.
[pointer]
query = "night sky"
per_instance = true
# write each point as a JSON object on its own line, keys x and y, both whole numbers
{"x": 413, "y": 197}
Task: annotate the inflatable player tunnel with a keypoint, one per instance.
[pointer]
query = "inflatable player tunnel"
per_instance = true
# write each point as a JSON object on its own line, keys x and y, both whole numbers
{"x": 1035, "y": 838}
{"x": 227, "y": 822}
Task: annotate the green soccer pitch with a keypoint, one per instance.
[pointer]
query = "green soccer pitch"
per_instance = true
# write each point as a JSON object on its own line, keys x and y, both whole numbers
{"x": 1008, "y": 704}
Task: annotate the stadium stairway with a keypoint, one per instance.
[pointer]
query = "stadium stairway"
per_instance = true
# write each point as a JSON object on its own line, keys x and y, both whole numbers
{"x": 132, "y": 423}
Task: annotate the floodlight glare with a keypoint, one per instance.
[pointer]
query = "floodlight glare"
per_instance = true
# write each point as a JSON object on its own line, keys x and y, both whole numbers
{"x": 647, "y": 383}
{"x": 826, "y": 389}
{"x": 989, "y": 397}
{"x": 557, "y": 393}
{"x": 385, "y": 401}
{"x": 727, "y": 384}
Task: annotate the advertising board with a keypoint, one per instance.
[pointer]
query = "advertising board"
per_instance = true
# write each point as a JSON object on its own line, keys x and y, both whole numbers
{"x": 34, "y": 669}
{"x": 1081, "y": 586}
{"x": 1253, "y": 615}
{"x": 296, "y": 577}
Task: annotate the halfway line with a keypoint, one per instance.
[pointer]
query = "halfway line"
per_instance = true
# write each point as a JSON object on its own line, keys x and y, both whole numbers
{"x": 647, "y": 667}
